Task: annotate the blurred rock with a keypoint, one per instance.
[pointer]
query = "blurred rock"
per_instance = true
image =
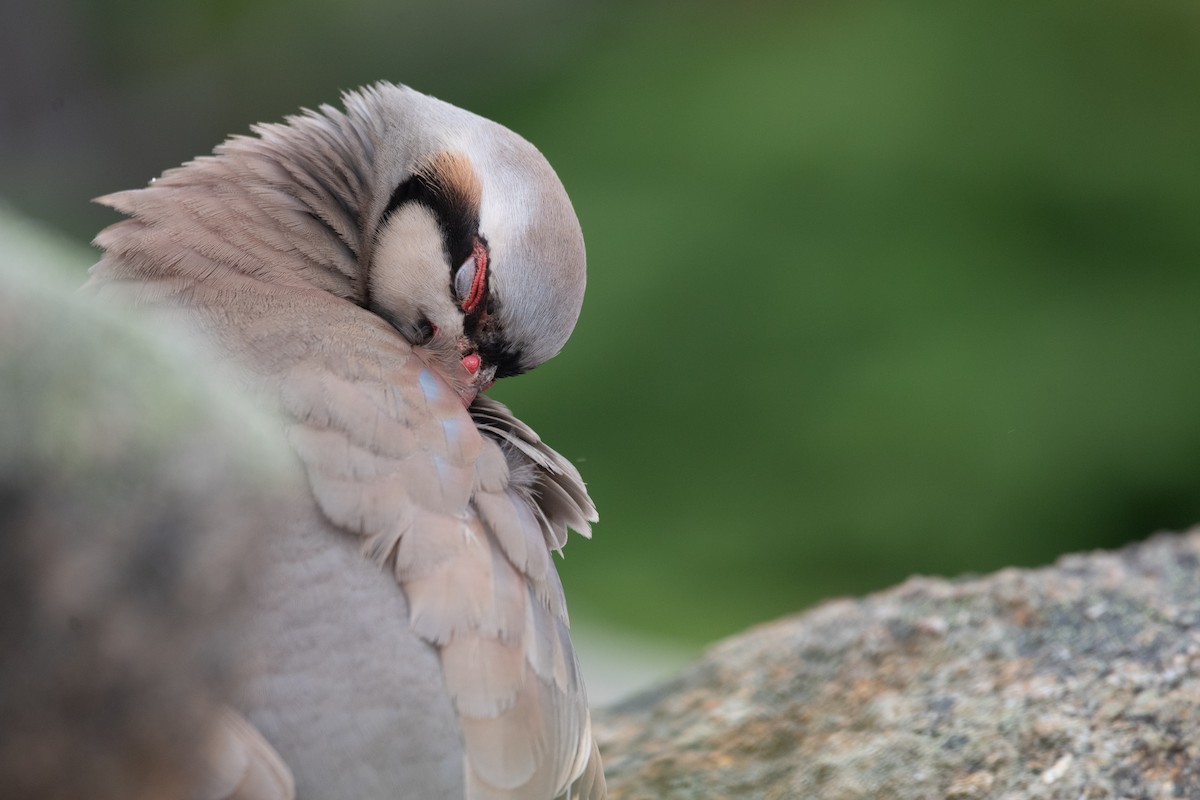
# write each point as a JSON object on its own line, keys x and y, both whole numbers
{"x": 617, "y": 663}
{"x": 1080, "y": 680}
{"x": 132, "y": 493}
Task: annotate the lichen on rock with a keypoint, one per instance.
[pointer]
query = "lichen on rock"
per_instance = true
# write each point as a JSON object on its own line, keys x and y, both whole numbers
{"x": 1079, "y": 680}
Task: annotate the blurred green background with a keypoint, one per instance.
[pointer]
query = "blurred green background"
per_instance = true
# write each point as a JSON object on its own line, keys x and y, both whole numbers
{"x": 874, "y": 288}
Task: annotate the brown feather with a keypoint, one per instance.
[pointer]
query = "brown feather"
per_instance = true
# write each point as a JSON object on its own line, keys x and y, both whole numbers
{"x": 450, "y": 173}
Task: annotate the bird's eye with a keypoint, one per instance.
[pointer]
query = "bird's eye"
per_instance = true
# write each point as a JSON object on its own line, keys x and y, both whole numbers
{"x": 463, "y": 279}
{"x": 470, "y": 282}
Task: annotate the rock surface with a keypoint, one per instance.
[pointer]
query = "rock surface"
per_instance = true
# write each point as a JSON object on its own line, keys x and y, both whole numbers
{"x": 1080, "y": 680}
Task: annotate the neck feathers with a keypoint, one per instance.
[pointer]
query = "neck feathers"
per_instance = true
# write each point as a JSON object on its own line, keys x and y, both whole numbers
{"x": 284, "y": 207}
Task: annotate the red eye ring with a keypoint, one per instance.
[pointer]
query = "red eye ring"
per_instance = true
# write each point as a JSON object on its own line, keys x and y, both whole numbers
{"x": 479, "y": 252}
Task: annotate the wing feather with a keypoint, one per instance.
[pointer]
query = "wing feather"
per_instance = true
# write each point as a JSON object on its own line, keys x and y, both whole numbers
{"x": 471, "y": 552}
{"x": 462, "y": 507}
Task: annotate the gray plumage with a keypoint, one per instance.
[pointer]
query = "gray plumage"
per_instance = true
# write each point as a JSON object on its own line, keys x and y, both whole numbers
{"x": 374, "y": 270}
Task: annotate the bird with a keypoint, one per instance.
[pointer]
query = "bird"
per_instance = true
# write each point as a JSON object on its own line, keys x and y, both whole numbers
{"x": 371, "y": 269}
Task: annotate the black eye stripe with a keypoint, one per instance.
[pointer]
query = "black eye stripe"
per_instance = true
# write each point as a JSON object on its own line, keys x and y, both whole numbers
{"x": 456, "y": 219}
{"x": 494, "y": 348}
{"x": 507, "y": 361}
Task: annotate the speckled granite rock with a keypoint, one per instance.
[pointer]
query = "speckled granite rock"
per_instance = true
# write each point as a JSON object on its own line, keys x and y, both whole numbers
{"x": 1081, "y": 680}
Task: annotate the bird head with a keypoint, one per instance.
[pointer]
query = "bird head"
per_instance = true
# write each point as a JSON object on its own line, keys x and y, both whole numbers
{"x": 450, "y": 228}
{"x": 475, "y": 246}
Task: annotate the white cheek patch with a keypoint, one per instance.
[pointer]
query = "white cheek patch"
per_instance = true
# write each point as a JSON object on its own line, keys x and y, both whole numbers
{"x": 409, "y": 274}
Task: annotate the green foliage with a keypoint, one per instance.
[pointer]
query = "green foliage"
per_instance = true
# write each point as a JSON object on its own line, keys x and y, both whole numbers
{"x": 875, "y": 290}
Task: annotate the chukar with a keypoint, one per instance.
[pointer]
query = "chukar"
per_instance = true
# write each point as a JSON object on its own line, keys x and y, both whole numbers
{"x": 374, "y": 269}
